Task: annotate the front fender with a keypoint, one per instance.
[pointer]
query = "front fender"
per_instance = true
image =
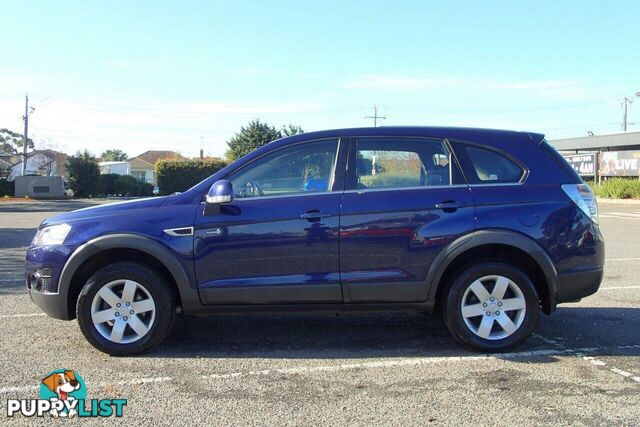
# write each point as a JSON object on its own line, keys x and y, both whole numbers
{"x": 187, "y": 290}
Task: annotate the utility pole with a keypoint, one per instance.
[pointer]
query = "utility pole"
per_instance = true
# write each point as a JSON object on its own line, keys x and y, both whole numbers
{"x": 375, "y": 116}
{"x": 26, "y": 135}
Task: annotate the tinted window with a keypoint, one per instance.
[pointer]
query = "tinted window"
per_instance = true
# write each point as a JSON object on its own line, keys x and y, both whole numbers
{"x": 388, "y": 163}
{"x": 302, "y": 168}
{"x": 489, "y": 167}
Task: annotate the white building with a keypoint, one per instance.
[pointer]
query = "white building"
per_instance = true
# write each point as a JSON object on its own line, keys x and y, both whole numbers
{"x": 120, "y": 168}
{"x": 43, "y": 163}
{"x": 140, "y": 167}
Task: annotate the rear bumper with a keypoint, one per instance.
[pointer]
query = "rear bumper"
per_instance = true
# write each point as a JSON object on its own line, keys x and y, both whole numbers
{"x": 573, "y": 286}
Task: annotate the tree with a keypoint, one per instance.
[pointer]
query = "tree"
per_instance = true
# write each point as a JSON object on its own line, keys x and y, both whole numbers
{"x": 253, "y": 136}
{"x": 84, "y": 174}
{"x": 12, "y": 142}
{"x": 290, "y": 130}
{"x": 114, "y": 155}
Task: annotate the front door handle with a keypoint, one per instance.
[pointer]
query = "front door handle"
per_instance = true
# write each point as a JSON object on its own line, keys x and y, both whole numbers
{"x": 314, "y": 215}
{"x": 448, "y": 205}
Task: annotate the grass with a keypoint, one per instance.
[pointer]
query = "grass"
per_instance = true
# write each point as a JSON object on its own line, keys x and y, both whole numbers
{"x": 617, "y": 188}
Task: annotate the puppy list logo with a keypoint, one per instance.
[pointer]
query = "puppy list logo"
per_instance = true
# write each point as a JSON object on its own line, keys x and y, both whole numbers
{"x": 63, "y": 393}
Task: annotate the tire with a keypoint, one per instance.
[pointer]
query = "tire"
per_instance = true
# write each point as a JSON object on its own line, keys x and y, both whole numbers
{"x": 495, "y": 329}
{"x": 124, "y": 331}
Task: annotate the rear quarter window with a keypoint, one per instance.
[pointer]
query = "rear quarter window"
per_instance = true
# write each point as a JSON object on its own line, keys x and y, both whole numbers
{"x": 486, "y": 166}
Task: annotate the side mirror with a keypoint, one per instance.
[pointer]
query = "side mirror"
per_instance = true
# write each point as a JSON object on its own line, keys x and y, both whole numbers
{"x": 220, "y": 192}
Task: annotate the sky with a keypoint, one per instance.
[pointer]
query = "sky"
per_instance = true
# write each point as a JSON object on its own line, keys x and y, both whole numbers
{"x": 185, "y": 75}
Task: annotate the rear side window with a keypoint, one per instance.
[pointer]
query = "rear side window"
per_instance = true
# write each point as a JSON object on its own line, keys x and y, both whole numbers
{"x": 485, "y": 166}
{"x": 401, "y": 162}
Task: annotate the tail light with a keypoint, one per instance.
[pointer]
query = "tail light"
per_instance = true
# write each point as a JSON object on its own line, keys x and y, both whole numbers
{"x": 584, "y": 198}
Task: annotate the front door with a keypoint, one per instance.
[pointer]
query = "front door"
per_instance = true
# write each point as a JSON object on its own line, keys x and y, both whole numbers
{"x": 277, "y": 241}
{"x": 405, "y": 201}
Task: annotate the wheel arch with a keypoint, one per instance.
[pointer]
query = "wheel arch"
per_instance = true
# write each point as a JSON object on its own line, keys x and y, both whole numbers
{"x": 111, "y": 248}
{"x": 495, "y": 244}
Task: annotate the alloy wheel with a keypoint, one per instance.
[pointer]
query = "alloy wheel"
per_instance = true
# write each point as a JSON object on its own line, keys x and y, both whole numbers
{"x": 123, "y": 311}
{"x": 493, "y": 307}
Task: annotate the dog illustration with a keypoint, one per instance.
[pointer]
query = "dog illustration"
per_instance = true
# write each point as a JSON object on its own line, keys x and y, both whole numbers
{"x": 62, "y": 384}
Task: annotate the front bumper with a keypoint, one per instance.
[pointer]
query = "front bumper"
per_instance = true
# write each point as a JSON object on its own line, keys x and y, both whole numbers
{"x": 576, "y": 285}
{"x": 51, "y": 298}
{"x": 55, "y": 305}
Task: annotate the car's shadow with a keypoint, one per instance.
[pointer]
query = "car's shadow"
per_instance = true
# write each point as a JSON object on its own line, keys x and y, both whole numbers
{"x": 600, "y": 331}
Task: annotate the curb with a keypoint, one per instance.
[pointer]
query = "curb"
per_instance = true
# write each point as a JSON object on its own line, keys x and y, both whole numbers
{"x": 619, "y": 201}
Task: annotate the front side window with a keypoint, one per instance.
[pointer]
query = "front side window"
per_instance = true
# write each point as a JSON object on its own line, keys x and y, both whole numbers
{"x": 490, "y": 167}
{"x": 301, "y": 168}
{"x": 401, "y": 162}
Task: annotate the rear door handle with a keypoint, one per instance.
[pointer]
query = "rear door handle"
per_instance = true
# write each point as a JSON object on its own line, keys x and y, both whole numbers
{"x": 314, "y": 215}
{"x": 448, "y": 204}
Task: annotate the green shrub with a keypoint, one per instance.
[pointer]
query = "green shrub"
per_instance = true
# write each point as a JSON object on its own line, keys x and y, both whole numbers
{"x": 126, "y": 185}
{"x": 618, "y": 188}
{"x": 84, "y": 174}
{"x": 6, "y": 188}
{"x": 107, "y": 183}
{"x": 180, "y": 175}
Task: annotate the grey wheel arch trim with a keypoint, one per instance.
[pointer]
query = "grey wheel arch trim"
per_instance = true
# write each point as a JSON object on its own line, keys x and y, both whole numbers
{"x": 187, "y": 292}
{"x": 488, "y": 237}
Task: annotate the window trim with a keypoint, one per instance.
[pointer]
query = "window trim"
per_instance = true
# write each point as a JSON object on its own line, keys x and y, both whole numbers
{"x": 332, "y": 178}
{"x": 466, "y": 161}
{"x": 351, "y": 178}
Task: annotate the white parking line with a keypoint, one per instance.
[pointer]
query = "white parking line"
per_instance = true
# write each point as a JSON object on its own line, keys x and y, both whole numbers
{"x": 596, "y": 362}
{"x": 11, "y": 316}
{"x": 334, "y": 368}
{"x": 622, "y": 259}
{"x": 613, "y": 288}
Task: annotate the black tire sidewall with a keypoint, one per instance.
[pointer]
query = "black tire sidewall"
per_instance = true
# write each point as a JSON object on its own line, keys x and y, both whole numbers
{"x": 453, "y": 313}
{"x": 157, "y": 287}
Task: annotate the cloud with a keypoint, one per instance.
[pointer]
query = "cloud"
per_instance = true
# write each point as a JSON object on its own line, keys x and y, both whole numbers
{"x": 396, "y": 83}
{"x": 182, "y": 126}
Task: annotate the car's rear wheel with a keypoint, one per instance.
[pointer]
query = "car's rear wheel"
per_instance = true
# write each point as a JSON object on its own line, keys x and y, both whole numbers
{"x": 125, "y": 308}
{"x": 491, "y": 306}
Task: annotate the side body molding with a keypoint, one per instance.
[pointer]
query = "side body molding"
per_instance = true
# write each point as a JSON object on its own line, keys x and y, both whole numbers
{"x": 188, "y": 293}
{"x": 493, "y": 237}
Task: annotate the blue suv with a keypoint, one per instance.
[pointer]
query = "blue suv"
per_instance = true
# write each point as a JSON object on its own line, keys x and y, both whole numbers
{"x": 487, "y": 227}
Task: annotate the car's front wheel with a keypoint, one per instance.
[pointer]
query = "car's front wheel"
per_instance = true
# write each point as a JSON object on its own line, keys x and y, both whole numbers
{"x": 125, "y": 308}
{"x": 491, "y": 306}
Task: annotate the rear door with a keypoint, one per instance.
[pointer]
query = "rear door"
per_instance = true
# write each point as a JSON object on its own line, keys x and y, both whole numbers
{"x": 405, "y": 200}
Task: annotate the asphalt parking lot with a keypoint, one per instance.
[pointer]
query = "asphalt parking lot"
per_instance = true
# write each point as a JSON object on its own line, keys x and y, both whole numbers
{"x": 581, "y": 367}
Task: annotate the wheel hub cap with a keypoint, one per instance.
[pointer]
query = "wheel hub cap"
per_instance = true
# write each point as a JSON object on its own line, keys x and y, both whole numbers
{"x": 123, "y": 311}
{"x": 493, "y": 307}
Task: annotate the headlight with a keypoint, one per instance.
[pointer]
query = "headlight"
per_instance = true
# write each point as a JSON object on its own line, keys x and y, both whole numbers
{"x": 52, "y": 235}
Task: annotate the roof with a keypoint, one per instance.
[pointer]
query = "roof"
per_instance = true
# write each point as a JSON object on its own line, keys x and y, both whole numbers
{"x": 111, "y": 163}
{"x": 152, "y": 156}
{"x": 461, "y": 133}
{"x": 52, "y": 154}
{"x": 626, "y": 140}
